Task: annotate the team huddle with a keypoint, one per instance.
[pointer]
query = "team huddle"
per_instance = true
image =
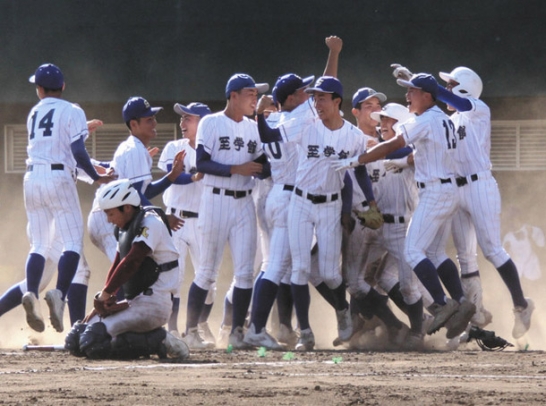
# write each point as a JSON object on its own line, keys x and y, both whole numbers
{"x": 361, "y": 212}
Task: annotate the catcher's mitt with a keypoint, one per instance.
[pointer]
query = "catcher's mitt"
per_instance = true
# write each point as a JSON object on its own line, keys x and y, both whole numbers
{"x": 110, "y": 306}
{"x": 371, "y": 218}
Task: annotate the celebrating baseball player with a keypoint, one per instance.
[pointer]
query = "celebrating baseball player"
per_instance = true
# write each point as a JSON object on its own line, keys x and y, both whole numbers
{"x": 183, "y": 201}
{"x": 433, "y": 135}
{"x": 479, "y": 218}
{"x": 229, "y": 153}
{"x": 145, "y": 266}
{"x": 315, "y": 207}
{"x": 57, "y": 130}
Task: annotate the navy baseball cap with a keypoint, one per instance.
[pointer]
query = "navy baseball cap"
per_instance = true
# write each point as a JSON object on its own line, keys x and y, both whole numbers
{"x": 241, "y": 81}
{"x": 365, "y": 93}
{"x": 424, "y": 81}
{"x": 326, "y": 84}
{"x": 193, "y": 109}
{"x": 138, "y": 107}
{"x": 48, "y": 76}
{"x": 288, "y": 84}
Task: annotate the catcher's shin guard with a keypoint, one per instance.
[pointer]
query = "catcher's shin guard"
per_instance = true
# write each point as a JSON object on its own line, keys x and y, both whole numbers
{"x": 95, "y": 341}
{"x": 135, "y": 345}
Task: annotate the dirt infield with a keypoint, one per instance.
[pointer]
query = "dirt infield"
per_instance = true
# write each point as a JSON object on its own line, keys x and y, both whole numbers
{"x": 461, "y": 377}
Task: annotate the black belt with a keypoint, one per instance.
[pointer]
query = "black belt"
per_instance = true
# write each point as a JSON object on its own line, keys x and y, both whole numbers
{"x": 183, "y": 213}
{"x": 288, "y": 187}
{"x": 390, "y": 219}
{"x": 236, "y": 194}
{"x": 316, "y": 199}
{"x": 54, "y": 167}
{"x": 421, "y": 185}
{"x": 167, "y": 266}
{"x": 463, "y": 180}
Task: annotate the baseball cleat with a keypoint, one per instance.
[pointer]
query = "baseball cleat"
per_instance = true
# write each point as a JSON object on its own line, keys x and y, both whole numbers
{"x": 344, "y": 324}
{"x": 55, "y": 303}
{"x": 236, "y": 339}
{"x": 287, "y": 336}
{"x": 441, "y": 314}
{"x": 195, "y": 341}
{"x": 261, "y": 339}
{"x": 34, "y": 315}
{"x": 205, "y": 332}
{"x": 176, "y": 347}
{"x": 306, "y": 342}
{"x": 223, "y": 336}
{"x": 397, "y": 337}
{"x": 414, "y": 342}
{"x": 457, "y": 324}
{"x": 522, "y": 321}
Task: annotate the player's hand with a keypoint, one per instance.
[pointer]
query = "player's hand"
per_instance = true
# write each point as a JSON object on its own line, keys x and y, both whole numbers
{"x": 106, "y": 177}
{"x": 395, "y": 164}
{"x": 265, "y": 103}
{"x": 371, "y": 143}
{"x": 178, "y": 166}
{"x": 401, "y": 72}
{"x": 92, "y": 125}
{"x": 334, "y": 43}
{"x": 175, "y": 223}
{"x": 197, "y": 176}
{"x": 247, "y": 169}
{"x": 153, "y": 151}
{"x": 346, "y": 163}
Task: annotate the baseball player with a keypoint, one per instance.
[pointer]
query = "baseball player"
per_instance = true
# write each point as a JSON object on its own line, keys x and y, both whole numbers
{"x": 479, "y": 217}
{"x": 433, "y": 135}
{"x": 229, "y": 153}
{"x": 315, "y": 206}
{"x": 57, "y": 130}
{"x": 132, "y": 160}
{"x": 183, "y": 201}
{"x": 145, "y": 266}
{"x": 289, "y": 94}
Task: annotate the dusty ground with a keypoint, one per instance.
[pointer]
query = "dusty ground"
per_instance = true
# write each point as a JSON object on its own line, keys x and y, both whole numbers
{"x": 461, "y": 377}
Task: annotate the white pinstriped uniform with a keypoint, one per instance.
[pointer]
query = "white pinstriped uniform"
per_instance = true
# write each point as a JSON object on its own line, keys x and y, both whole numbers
{"x": 364, "y": 250}
{"x": 432, "y": 134}
{"x": 480, "y": 201}
{"x": 315, "y": 176}
{"x": 224, "y": 218}
{"x": 147, "y": 313}
{"x": 178, "y": 198}
{"x": 51, "y": 197}
{"x": 283, "y": 157}
{"x": 131, "y": 161}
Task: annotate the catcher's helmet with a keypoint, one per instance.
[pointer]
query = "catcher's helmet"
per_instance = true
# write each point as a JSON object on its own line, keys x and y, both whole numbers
{"x": 118, "y": 193}
{"x": 469, "y": 83}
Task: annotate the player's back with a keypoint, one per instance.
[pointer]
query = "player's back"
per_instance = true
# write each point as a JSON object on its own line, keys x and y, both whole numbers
{"x": 53, "y": 125}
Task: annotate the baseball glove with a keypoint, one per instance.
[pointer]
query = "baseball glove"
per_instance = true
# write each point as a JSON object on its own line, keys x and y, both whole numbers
{"x": 110, "y": 306}
{"x": 371, "y": 218}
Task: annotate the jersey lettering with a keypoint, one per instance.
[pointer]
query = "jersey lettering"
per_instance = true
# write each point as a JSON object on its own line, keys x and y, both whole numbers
{"x": 239, "y": 143}
{"x": 251, "y": 147}
{"x": 450, "y": 134}
{"x": 329, "y": 151}
{"x": 46, "y": 123}
{"x": 275, "y": 149}
{"x": 312, "y": 151}
{"x": 462, "y": 132}
{"x": 224, "y": 143}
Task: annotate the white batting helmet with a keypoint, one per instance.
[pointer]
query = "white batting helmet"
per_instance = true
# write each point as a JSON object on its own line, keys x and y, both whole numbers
{"x": 469, "y": 83}
{"x": 118, "y": 193}
{"x": 393, "y": 110}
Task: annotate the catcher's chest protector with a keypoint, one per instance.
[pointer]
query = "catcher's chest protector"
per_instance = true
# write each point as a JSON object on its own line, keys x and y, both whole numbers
{"x": 148, "y": 272}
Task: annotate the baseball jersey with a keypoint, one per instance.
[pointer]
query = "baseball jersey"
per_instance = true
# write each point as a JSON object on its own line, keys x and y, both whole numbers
{"x": 182, "y": 197}
{"x": 395, "y": 191}
{"x": 320, "y": 146}
{"x": 284, "y": 156}
{"x": 473, "y": 129}
{"x": 53, "y": 125}
{"x": 131, "y": 161}
{"x": 229, "y": 143}
{"x": 433, "y": 135}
